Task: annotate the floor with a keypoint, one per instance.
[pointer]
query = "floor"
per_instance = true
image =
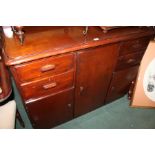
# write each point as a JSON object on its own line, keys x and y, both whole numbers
{"x": 116, "y": 115}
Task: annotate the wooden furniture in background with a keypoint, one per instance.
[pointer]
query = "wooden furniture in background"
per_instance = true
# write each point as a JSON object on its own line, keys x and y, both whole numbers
{"x": 5, "y": 83}
{"x": 61, "y": 73}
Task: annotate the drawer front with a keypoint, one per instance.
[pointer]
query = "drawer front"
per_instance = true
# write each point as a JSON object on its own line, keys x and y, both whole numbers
{"x": 47, "y": 86}
{"x": 134, "y": 45}
{"x": 129, "y": 60}
{"x": 45, "y": 67}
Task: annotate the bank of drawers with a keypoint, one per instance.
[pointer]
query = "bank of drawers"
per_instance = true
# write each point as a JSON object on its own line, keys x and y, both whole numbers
{"x": 132, "y": 46}
{"x": 131, "y": 53}
{"x": 45, "y": 76}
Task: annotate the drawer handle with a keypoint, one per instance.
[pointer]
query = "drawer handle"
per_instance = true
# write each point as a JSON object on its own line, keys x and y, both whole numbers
{"x": 47, "y": 68}
{"x": 131, "y": 61}
{"x": 51, "y": 85}
{"x": 1, "y": 91}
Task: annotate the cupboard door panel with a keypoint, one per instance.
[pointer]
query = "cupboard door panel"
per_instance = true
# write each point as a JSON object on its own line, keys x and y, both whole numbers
{"x": 121, "y": 82}
{"x": 51, "y": 111}
{"x": 94, "y": 70}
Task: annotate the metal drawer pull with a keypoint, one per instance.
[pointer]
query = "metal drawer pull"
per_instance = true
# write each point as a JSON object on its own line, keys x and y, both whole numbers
{"x": 1, "y": 91}
{"x": 69, "y": 105}
{"x": 47, "y": 68}
{"x": 131, "y": 60}
{"x": 51, "y": 85}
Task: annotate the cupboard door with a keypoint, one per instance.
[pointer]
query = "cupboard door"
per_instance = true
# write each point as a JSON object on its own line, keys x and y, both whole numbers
{"x": 94, "y": 70}
{"x": 120, "y": 83}
{"x": 51, "y": 111}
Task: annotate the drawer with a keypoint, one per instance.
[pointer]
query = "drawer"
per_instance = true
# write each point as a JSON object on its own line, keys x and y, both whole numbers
{"x": 47, "y": 86}
{"x": 44, "y": 67}
{"x": 129, "y": 60}
{"x": 134, "y": 45}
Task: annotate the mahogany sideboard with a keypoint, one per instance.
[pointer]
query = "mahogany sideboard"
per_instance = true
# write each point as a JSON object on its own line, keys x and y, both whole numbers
{"x": 62, "y": 74}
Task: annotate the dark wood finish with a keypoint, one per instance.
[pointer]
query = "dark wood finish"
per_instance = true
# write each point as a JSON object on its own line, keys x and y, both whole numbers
{"x": 130, "y": 92}
{"x": 5, "y": 83}
{"x": 94, "y": 70}
{"x": 46, "y": 86}
{"x": 129, "y": 60}
{"x": 134, "y": 45}
{"x": 0, "y": 37}
{"x": 44, "y": 67}
{"x": 51, "y": 111}
{"x": 62, "y": 73}
{"x": 120, "y": 83}
{"x": 41, "y": 42}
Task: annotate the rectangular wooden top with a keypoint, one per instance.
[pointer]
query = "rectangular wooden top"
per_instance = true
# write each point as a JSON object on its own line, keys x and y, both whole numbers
{"x": 43, "y": 41}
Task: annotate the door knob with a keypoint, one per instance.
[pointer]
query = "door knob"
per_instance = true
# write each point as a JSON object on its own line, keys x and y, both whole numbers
{"x": 69, "y": 105}
{"x": 81, "y": 89}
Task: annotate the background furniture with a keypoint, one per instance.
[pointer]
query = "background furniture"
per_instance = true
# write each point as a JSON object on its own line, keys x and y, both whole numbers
{"x": 62, "y": 74}
{"x": 8, "y": 111}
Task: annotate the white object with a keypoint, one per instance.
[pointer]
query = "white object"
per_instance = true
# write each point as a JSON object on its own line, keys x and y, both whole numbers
{"x": 144, "y": 91}
{"x": 96, "y": 39}
{"x": 149, "y": 81}
{"x": 8, "y": 31}
{"x": 7, "y": 115}
{"x": 1, "y": 91}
